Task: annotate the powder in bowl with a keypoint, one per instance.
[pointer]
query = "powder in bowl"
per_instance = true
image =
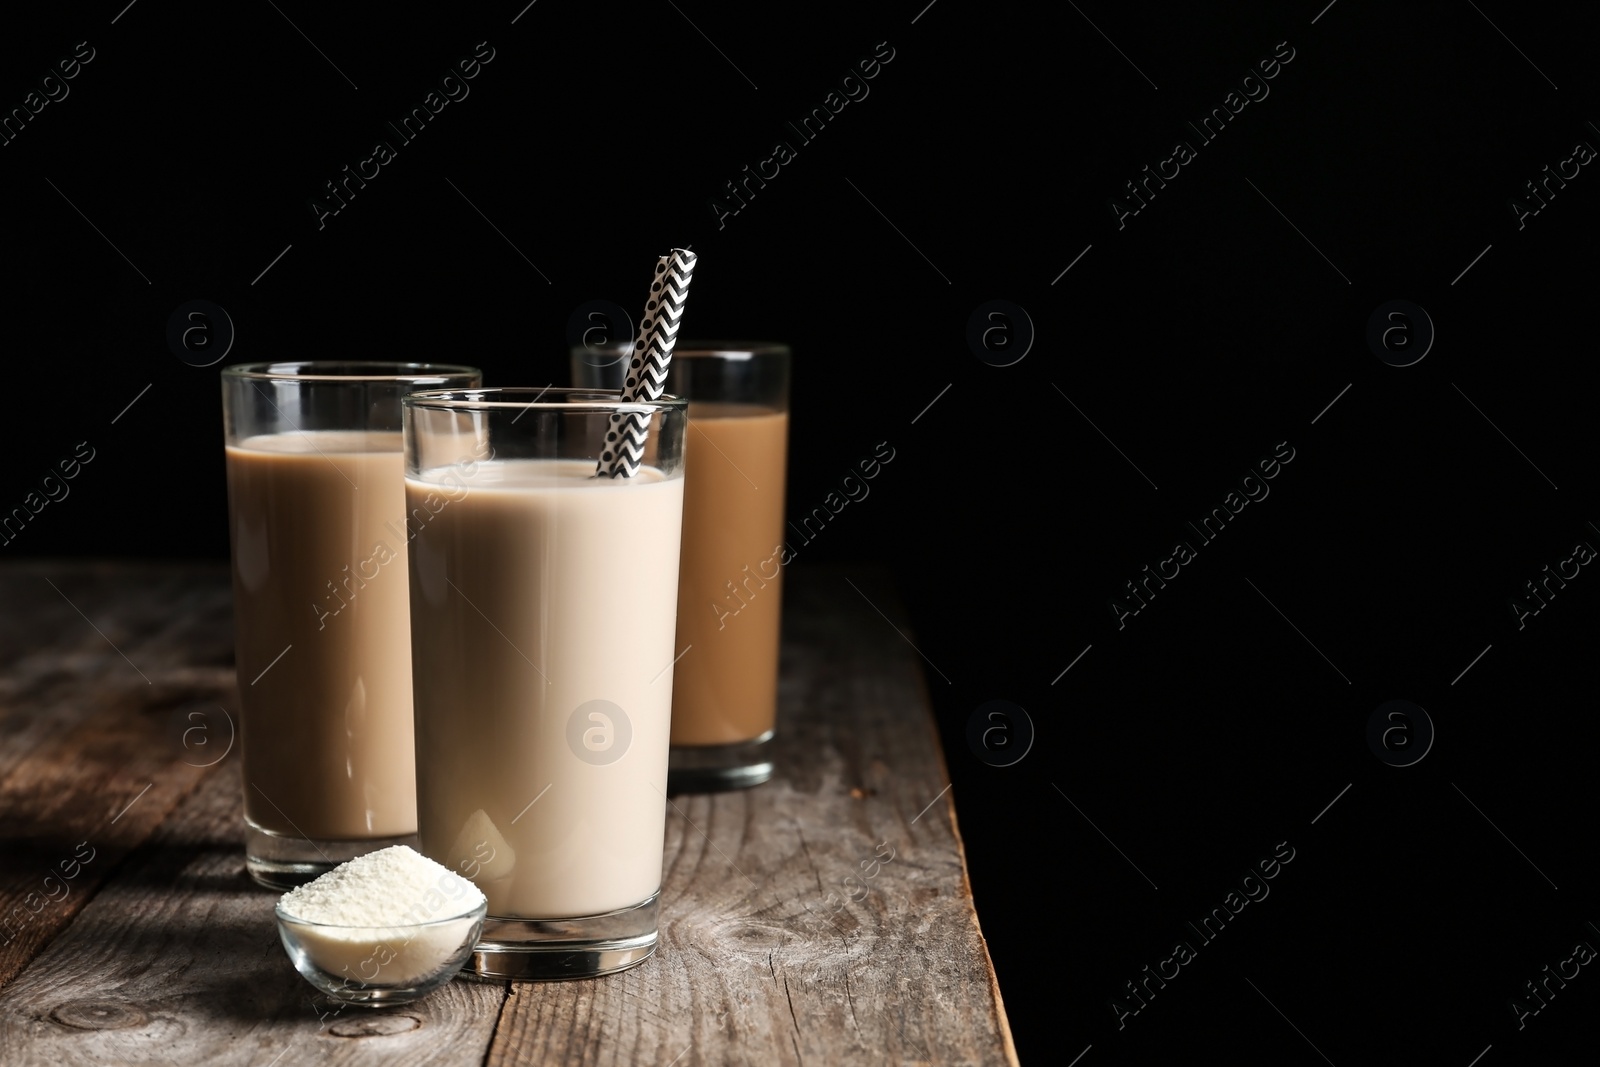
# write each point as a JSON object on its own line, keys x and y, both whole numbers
{"x": 390, "y": 918}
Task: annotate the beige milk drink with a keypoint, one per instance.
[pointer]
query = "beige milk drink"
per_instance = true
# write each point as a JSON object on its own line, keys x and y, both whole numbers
{"x": 542, "y": 603}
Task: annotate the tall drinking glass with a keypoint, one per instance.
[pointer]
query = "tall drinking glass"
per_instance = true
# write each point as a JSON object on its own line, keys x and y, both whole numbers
{"x": 725, "y": 688}
{"x": 542, "y": 614}
{"x": 317, "y": 521}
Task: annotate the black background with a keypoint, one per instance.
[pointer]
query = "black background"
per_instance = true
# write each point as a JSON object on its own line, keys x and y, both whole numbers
{"x": 1219, "y": 321}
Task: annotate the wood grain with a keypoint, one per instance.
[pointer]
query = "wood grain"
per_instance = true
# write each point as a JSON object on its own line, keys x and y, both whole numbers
{"x": 84, "y": 733}
{"x": 756, "y": 965}
{"x": 177, "y": 960}
{"x": 764, "y": 957}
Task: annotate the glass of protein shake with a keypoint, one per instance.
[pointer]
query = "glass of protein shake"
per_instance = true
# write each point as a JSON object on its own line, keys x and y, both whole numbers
{"x": 543, "y": 598}
{"x": 319, "y": 530}
{"x": 725, "y": 688}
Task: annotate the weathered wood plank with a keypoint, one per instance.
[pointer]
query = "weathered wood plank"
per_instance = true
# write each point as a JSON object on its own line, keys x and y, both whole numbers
{"x": 76, "y": 638}
{"x": 757, "y": 964}
{"x": 177, "y": 960}
{"x": 95, "y": 752}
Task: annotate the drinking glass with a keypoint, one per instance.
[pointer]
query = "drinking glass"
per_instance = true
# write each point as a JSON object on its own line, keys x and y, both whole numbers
{"x": 543, "y": 599}
{"x": 316, "y": 518}
{"x": 725, "y": 689}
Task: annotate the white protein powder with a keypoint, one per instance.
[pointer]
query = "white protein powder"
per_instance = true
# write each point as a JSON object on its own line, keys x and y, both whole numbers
{"x": 378, "y": 899}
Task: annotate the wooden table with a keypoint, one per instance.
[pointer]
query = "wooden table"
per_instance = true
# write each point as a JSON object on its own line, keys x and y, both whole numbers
{"x": 149, "y": 944}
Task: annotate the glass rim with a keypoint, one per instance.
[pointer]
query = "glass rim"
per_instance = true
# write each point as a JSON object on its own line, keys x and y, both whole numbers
{"x": 694, "y": 349}
{"x": 351, "y": 371}
{"x": 603, "y": 400}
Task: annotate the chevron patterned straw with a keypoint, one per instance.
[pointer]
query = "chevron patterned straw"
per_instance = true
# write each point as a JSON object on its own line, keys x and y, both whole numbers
{"x": 647, "y": 371}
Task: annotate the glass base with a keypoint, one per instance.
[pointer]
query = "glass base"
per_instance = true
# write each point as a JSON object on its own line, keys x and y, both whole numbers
{"x": 546, "y": 950}
{"x": 279, "y": 862}
{"x": 718, "y": 768}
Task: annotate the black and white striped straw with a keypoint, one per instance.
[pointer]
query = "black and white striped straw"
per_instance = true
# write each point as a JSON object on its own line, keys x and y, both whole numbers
{"x": 647, "y": 369}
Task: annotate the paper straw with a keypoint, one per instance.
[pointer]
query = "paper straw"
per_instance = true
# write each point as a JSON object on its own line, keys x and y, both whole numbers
{"x": 647, "y": 370}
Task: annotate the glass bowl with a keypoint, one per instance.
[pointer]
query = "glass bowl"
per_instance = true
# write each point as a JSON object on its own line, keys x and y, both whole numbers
{"x": 376, "y": 966}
